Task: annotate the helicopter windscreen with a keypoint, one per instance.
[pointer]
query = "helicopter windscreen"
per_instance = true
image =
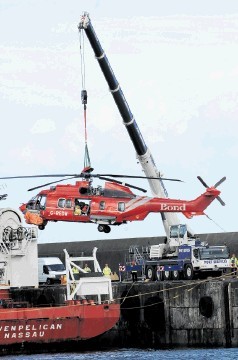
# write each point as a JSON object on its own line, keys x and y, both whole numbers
{"x": 31, "y": 203}
{"x": 37, "y": 203}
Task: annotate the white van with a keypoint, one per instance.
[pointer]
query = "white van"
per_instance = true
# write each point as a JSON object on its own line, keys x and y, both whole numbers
{"x": 50, "y": 270}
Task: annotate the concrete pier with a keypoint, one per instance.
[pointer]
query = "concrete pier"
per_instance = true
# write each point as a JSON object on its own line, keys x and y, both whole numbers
{"x": 176, "y": 314}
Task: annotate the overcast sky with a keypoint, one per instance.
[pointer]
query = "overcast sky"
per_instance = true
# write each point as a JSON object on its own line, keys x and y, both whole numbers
{"x": 177, "y": 64}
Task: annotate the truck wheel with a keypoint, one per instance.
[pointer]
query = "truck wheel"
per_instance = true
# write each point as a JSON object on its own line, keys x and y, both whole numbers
{"x": 160, "y": 275}
{"x": 48, "y": 282}
{"x": 175, "y": 275}
{"x": 167, "y": 275}
{"x": 149, "y": 273}
{"x": 188, "y": 272}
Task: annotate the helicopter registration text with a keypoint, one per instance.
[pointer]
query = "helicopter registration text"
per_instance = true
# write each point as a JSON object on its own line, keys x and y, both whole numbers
{"x": 59, "y": 212}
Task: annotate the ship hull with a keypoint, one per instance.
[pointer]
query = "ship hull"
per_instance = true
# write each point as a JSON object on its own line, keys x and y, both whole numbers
{"x": 56, "y": 324}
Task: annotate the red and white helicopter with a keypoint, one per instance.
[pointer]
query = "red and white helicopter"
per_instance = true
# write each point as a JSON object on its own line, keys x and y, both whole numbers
{"x": 111, "y": 204}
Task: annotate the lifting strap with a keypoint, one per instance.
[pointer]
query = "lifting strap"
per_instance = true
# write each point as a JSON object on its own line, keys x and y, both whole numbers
{"x": 84, "y": 97}
{"x": 87, "y": 162}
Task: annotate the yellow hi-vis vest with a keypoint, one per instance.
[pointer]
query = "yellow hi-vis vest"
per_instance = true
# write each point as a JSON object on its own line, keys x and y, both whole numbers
{"x": 75, "y": 270}
{"x": 87, "y": 269}
{"x": 106, "y": 271}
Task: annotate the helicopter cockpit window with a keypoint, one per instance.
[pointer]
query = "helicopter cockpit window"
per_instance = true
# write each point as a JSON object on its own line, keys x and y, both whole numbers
{"x": 68, "y": 203}
{"x": 121, "y": 206}
{"x": 102, "y": 205}
{"x": 40, "y": 204}
{"x": 61, "y": 203}
{"x": 31, "y": 203}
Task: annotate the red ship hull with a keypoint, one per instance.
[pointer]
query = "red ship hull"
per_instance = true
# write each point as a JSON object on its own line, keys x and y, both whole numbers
{"x": 53, "y": 324}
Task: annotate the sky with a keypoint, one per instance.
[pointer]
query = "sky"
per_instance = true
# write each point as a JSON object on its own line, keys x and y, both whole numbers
{"x": 177, "y": 65}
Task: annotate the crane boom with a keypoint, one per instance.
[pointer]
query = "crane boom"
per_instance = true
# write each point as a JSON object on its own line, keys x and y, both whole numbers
{"x": 143, "y": 153}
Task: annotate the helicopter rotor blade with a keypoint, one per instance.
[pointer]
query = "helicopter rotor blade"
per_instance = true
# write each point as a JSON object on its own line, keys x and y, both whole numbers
{"x": 220, "y": 182}
{"x": 50, "y": 183}
{"x": 120, "y": 182}
{"x": 37, "y": 176}
{"x": 202, "y": 181}
{"x": 218, "y": 197}
{"x": 221, "y": 201}
{"x": 87, "y": 175}
{"x": 135, "y": 177}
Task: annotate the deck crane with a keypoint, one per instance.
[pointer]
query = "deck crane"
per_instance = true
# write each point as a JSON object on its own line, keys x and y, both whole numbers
{"x": 142, "y": 151}
{"x": 181, "y": 249}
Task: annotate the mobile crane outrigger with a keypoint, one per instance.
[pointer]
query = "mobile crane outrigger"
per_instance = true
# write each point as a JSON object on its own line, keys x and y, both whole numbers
{"x": 182, "y": 253}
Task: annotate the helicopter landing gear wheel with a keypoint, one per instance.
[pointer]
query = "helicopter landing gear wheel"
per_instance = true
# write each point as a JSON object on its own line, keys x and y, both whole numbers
{"x": 107, "y": 229}
{"x": 101, "y": 228}
{"x": 43, "y": 225}
{"x": 104, "y": 228}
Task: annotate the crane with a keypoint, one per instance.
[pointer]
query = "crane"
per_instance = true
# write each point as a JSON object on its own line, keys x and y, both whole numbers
{"x": 143, "y": 153}
{"x": 181, "y": 249}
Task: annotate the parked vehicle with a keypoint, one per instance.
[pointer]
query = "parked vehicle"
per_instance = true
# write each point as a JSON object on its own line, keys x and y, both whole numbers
{"x": 50, "y": 270}
{"x": 182, "y": 257}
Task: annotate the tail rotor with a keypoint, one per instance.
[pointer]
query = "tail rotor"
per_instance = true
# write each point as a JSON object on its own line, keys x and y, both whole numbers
{"x": 215, "y": 186}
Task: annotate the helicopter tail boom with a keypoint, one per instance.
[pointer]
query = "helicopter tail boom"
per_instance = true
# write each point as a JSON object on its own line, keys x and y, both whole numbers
{"x": 139, "y": 209}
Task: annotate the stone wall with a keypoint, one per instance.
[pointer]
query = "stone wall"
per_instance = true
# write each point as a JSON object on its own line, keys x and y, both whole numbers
{"x": 182, "y": 313}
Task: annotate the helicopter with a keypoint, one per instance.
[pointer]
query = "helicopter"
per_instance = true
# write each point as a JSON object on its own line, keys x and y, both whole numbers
{"x": 108, "y": 205}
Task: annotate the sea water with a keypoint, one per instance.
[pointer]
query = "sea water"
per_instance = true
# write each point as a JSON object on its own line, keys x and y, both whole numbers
{"x": 137, "y": 354}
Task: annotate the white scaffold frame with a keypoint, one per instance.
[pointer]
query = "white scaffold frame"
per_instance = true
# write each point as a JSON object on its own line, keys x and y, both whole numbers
{"x": 94, "y": 283}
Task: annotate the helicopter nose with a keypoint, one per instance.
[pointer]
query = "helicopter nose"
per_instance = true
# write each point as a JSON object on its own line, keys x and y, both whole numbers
{"x": 23, "y": 208}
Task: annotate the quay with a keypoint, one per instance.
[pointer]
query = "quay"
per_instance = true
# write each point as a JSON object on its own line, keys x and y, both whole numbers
{"x": 179, "y": 313}
{"x": 197, "y": 313}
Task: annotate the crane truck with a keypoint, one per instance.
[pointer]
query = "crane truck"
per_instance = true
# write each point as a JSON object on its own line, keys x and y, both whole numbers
{"x": 182, "y": 253}
{"x": 185, "y": 257}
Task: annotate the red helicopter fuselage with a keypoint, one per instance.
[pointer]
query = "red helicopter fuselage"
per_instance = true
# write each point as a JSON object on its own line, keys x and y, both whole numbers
{"x": 113, "y": 204}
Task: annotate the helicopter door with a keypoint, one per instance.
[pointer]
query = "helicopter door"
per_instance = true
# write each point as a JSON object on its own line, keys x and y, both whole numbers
{"x": 81, "y": 208}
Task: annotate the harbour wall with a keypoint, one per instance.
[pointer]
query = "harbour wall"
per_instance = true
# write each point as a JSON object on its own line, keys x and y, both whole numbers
{"x": 179, "y": 314}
